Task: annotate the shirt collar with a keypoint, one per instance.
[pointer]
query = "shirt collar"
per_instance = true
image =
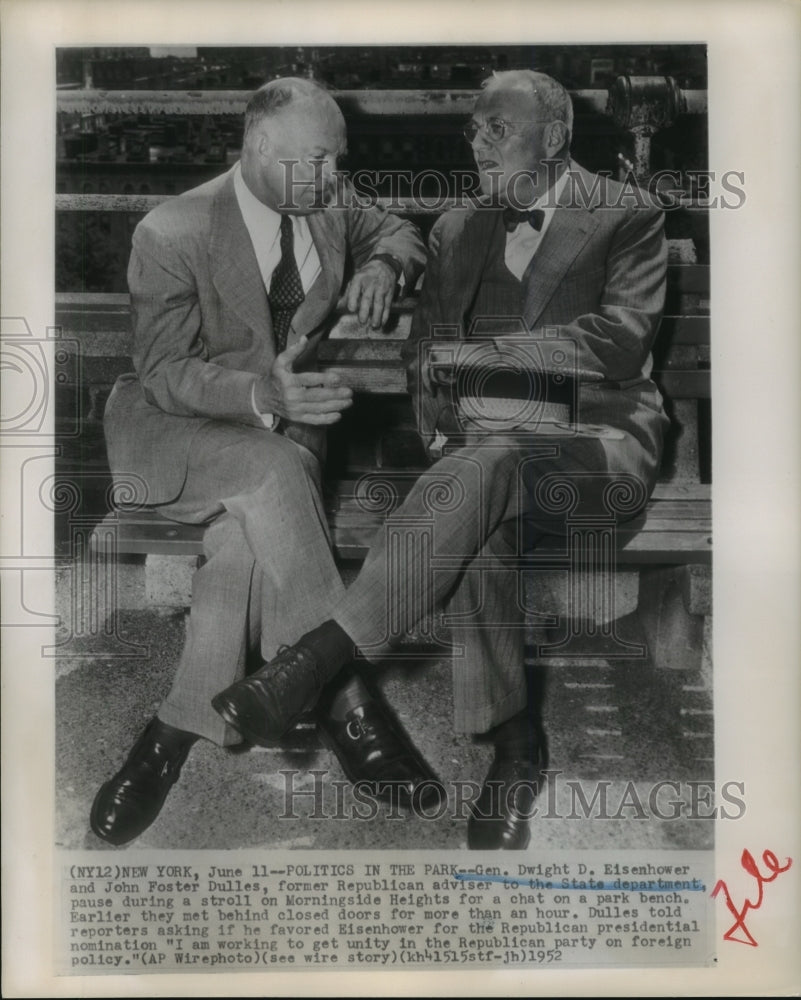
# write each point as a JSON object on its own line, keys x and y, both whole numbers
{"x": 254, "y": 212}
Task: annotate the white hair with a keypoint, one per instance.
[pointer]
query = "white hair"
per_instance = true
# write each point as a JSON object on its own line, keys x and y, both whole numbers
{"x": 551, "y": 96}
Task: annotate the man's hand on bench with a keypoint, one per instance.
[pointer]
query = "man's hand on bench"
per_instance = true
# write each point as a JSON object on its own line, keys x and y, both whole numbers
{"x": 371, "y": 291}
{"x": 302, "y": 397}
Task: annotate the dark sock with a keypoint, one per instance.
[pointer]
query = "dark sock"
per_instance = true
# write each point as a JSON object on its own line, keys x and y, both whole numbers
{"x": 517, "y": 735}
{"x": 330, "y": 645}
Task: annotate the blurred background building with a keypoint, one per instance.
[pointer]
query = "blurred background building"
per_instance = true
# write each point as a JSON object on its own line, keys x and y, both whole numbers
{"x": 158, "y": 154}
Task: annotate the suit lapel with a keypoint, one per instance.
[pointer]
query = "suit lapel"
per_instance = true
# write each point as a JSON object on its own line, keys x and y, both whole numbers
{"x": 234, "y": 268}
{"x": 570, "y": 228}
{"x": 466, "y": 258}
{"x": 329, "y": 242}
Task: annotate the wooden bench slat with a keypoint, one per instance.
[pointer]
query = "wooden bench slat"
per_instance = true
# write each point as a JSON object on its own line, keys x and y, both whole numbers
{"x": 678, "y": 492}
{"x": 685, "y": 330}
{"x": 698, "y": 529}
{"x": 676, "y": 527}
{"x": 696, "y": 384}
{"x": 689, "y": 277}
{"x": 667, "y": 511}
{"x": 114, "y": 346}
{"x": 108, "y": 333}
{"x": 666, "y": 547}
{"x": 384, "y": 352}
{"x": 653, "y": 525}
{"x": 668, "y": 500}
{"x": 645, "y": 547}
{"x": 681, "y": 491}
{"x": 700, "y": 523}
{"x": 372, "y": 366}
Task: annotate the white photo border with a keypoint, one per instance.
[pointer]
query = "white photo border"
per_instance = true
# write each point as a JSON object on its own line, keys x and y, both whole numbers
{"x": 754, "y": 86}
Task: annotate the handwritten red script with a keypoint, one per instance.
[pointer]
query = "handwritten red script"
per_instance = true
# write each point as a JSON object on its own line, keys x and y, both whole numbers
{"x": 771, "y": 862}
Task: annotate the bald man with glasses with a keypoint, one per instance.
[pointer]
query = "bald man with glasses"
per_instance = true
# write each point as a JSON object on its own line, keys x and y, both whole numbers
{"x": 555, "y": 266}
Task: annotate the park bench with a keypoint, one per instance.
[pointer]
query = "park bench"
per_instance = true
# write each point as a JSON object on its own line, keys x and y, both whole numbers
{"x": 664, "y": 554}
{"x": 670, "y": 543}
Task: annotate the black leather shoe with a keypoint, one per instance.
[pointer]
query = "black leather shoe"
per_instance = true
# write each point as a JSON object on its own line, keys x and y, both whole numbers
{"x": 375, "y": 753}
{"x": 265, "y": 705}
{"x": 128, "y": 803}
{"x": 499, "y": 818}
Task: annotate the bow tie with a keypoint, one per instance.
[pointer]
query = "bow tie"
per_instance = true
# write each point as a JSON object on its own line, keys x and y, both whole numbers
{"x": 512, "y": 218}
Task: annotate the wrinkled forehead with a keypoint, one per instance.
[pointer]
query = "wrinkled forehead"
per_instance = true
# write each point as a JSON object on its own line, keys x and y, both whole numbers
{"x": 512, "y": 104}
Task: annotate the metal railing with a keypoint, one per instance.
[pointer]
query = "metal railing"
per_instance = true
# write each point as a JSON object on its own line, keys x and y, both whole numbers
{"x": 642, "y": 105}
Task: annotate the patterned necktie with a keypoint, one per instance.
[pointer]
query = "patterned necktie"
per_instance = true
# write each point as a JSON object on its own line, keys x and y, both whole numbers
{"x": 286, "y": 290}
{"x": 512, "y": 218}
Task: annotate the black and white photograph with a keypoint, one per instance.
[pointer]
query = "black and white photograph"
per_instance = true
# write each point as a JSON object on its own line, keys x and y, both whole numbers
{"x": 204, "y": 389}
{"x": 377, "y": 450}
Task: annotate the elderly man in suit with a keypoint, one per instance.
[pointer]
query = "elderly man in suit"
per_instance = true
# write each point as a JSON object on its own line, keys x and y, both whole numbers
{"x": 578, "y": 264}
{"x": 223, "y": 423}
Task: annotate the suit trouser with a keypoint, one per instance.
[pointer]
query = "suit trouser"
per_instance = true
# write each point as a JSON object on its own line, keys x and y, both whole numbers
{"x": 270, "y": 570}
{"x": 269, "y": 574}
{"x": 453, "y": 544}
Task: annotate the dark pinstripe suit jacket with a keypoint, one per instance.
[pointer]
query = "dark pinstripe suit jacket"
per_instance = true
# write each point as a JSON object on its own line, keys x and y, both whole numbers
{"x": 598, "y": 277}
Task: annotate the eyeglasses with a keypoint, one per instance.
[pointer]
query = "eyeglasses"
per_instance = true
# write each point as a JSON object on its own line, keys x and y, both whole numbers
{"x": 495, "y": 128}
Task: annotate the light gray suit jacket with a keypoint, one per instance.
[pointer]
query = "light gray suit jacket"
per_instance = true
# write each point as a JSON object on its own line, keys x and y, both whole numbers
{"x": 202, "y": 333}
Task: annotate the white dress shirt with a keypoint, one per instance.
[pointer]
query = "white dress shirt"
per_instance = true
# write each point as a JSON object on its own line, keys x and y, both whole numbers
{"x": 524, "y": 241}
{"x": 522, "y": 244}
{"x": 264, "y": 227}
